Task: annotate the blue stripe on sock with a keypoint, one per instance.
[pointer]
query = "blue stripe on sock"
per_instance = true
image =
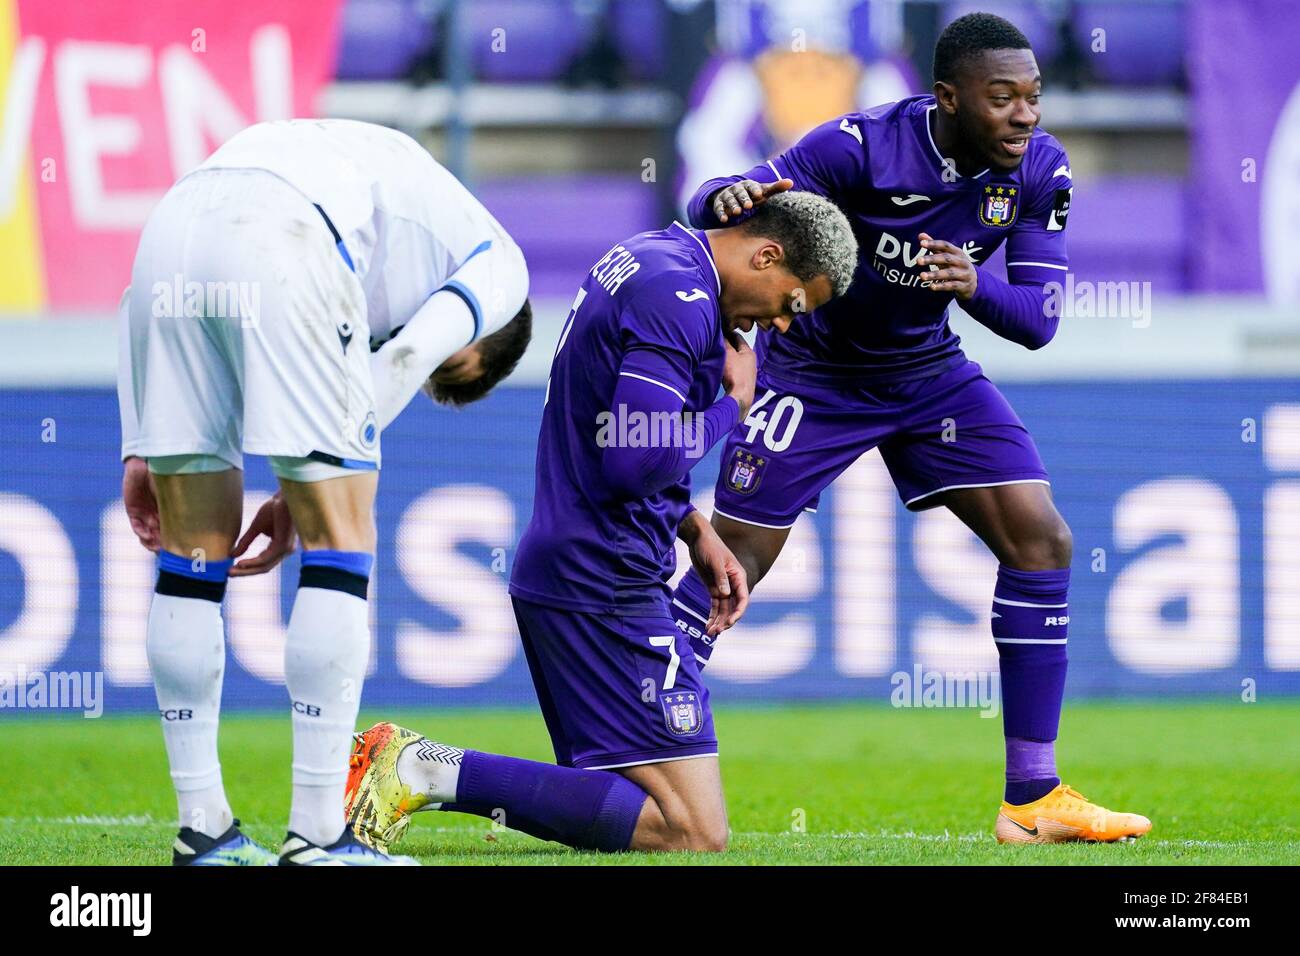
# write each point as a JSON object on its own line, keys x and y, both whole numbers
{"x": 185, "y": 567}
{"x": 354, "y": 562}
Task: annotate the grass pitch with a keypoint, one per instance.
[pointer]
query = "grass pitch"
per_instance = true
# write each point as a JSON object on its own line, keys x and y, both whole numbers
{"x": 839, "y": 784}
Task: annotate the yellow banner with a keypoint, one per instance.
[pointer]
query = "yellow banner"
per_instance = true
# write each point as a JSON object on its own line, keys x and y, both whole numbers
{"x": 22, "y": 279}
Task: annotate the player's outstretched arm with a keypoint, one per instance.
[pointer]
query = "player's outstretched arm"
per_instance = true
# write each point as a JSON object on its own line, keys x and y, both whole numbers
{"x": 831, "y": 161}
{"x": 732, "y": 202}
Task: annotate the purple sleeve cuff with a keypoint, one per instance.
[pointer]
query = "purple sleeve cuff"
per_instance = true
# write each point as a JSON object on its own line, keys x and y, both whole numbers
{"x": 1018, "y": 313}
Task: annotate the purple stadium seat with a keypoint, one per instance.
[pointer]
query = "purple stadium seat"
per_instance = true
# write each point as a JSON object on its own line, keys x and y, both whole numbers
{"x": 1034, "y": 20}
{"x": 639, "y": 33}
{"x": 1125, "y": 228}
{"x": 542, "y": 37}
{"x": 565, "y": 223}
{"x": 379, "y": 39}
{"x": 1144, "y": 41}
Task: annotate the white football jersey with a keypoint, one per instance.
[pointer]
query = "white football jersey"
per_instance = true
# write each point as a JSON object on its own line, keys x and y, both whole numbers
{"x": 406, "y": 222}
{"x": 414, "y": 251}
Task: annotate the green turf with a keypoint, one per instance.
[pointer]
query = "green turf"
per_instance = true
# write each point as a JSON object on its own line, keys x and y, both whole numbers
{"x": 871, "y": 785}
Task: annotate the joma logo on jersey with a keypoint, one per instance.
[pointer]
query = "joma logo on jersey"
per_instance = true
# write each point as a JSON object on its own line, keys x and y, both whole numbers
{"x": 1058, "y": 621}
{"x": 998, "y": 205}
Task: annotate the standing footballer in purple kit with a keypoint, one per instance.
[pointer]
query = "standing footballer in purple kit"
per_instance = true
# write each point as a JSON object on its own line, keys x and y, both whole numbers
{"x": 933, "y": 185}
{"x": 631, "y": 405}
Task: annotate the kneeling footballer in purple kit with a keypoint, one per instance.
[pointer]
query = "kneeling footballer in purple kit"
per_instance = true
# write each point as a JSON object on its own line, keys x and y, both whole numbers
{"x": 933, "y": 186}
{"x": 631, "y": 405}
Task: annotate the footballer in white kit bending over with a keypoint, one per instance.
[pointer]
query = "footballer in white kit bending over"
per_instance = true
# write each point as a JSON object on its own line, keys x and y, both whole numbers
{"x": 288, "y": 298}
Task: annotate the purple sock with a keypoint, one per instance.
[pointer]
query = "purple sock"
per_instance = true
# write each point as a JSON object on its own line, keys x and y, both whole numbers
{"x": 1031, "y": 769}
{"x": 1030, "y": 624}
{"x": 691, "y": 606}
{"x": 587, "y": 809}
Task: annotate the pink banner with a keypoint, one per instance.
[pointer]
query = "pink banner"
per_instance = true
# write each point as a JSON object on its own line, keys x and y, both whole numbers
{"x": 128, "y": 97}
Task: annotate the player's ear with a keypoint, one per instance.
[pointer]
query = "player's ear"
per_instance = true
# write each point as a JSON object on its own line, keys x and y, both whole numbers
{"x": 945, "y": 94}
{"x": 767, "y": 255}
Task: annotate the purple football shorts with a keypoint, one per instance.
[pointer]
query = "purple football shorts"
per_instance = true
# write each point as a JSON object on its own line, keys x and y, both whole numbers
{"x": 615, "y": 691}
{"x": 952, "y": 430}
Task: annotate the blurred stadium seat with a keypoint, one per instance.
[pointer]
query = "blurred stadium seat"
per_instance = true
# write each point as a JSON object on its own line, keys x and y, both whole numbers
{"x": 639, "y": 36}
{"x": 542, "y": 39}
{"x": 1144, "y": 41}
{"x": 553, "y": 225}
{"x": 382, "y": 39}
{"x": 1114, "y": 236}
{"x": 1038, "y": 21}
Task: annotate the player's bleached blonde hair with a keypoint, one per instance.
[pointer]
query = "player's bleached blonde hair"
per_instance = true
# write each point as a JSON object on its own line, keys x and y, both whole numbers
{"x": 816, "y": 236}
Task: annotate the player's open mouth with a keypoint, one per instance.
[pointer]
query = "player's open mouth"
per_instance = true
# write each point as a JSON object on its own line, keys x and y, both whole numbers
{"x": 1017, "y": 146}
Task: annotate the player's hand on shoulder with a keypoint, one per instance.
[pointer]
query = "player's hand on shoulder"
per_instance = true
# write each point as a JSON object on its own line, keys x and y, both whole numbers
{"x": 738, "y": 198}
{"x": 954, "y": 270}
{"x": 141, "y": 505}
{"x": 272, "y": 520}
{"x": 740, "y": 374}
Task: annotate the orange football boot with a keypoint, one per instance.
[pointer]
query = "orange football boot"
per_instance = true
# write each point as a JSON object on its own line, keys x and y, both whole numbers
{"x": 1066, "y": 816}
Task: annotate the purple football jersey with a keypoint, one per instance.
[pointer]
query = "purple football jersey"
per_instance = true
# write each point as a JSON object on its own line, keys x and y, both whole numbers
{"x": 882, "y": 168}
{"x": 587, "y": 548}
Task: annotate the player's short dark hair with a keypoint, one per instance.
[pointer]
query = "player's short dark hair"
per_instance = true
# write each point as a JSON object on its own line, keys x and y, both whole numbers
{"x": 969, "y": 36}
{"x": 500, "y": 352}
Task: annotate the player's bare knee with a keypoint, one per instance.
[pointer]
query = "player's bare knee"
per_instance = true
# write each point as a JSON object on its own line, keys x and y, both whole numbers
{"x": 709, "y": 838}
{"x": 694, "y": 836}
{"x": 1062, "y": 543}
{"x": 1044, "y": 545}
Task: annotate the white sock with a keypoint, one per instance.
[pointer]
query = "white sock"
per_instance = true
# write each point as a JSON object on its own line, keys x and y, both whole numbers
{"x": 325, "y": 655}
{"x": 431, "y": 770}
{"x": 186, "y": 647}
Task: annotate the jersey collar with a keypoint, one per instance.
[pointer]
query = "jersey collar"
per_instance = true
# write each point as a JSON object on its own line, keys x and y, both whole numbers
{"x": 700, "y": 249}
{"x": 930, "y": 136}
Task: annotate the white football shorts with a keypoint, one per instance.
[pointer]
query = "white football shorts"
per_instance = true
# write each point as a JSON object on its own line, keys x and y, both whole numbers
{"x": 248, "y": 329}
